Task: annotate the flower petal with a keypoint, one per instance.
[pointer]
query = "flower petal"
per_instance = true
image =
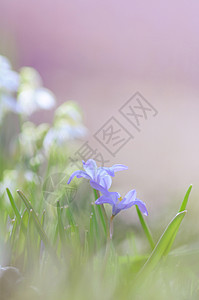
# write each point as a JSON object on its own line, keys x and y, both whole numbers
{"x": 141, "y": 205}
{"x": 128, "y": 200}
{"x": 44, "y": 98}
{"x": 99, "y": 187}
{"x": 130, "y": 196}
{"x": 119, "y": 167}
{"x": 115, "y": 168}
{"x": 79, "y": 174}
{"x": 91, "y": 168}
{"x": 104, "y": 199}
{"x": 105, "y": 182}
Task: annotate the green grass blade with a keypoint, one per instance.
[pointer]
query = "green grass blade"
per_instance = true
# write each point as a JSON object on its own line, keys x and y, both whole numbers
{"x": 13, "y": 204}
{"x": 70, "y": 217}
{"x": 102, "y": 214}
{"x": 60, "y": 225}
{"x": 43, "y": 218}
{"x": 31, "y": 243}
{"x": 182, "y": 208}
{"x": 96, "y": 227}
{"x": 145, "y": 228}
{"x": 91, "y": 234}
{"x": 13, "y": 233}
{"x": 35, "y": 218}
{"x": 19, "y": 244}
{"x": 163, "y": 243}
{"x": 39, "y": 227}
{"x": 56, "y": 234}
{"x": 186, "y": 197}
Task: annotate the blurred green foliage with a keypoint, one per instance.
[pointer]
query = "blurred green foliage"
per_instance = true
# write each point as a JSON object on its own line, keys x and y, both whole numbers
{"x": 53, "y": 239}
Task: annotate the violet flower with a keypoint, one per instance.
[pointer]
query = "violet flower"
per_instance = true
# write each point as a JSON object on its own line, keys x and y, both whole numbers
{"x": 116, "y": 201}
{"x": 101, "y": 176}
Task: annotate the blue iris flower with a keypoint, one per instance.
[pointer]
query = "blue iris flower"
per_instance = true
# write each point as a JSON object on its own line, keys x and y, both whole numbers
{"x": 101, "y": 175}
{"x": 116, "y": 201}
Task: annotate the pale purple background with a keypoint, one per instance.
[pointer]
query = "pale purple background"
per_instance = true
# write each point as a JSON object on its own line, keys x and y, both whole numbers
{"x": 99, "y": 53}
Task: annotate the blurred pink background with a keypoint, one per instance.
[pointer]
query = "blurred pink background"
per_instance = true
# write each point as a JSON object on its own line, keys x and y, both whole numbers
{"x": 99, "y": 53}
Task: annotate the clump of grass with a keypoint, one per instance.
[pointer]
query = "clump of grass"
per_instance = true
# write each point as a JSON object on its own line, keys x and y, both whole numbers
{"x": 56, "y": 258}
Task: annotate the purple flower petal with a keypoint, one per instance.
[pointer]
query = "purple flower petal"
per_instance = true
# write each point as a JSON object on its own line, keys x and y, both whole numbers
{"x": 79, "y": 174}
{"x": 119, "y": 167}
{"x": 91, "y": 168}
{"x": 99, "y": 188}
{"x": 105, "y": 182}
{"x": 128, "y": 200}
{"x": 141, "y": 205}
{"x": 115, "y": 168}
{"x": 104, "y": 199}
{"x": 130, "y": 196}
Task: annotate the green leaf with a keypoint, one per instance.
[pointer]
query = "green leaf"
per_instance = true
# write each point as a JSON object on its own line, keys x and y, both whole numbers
{"x": 182, "y": 208}
{"x": 60, "y": 225}
{"x": 91, "y": 233}
{"x": 39, "y": 227}
{"x": 145, "y": 228}
{"x": 70, "y": 217}
{"x": 13, "y": 204}
{"x": 19, "y": 246}
{"x": 31, "y": 243}
{"x": 102, "y": 214}
{"x": 163, "y": 243}
{"x": 186, "y": 197}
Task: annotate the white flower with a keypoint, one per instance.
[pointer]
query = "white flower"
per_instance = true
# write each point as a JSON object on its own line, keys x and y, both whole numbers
{"x": 61, "y": 134}
{"x": 9, "y": 80}
{"x": 32, "y": 96}
{"x": 31, "y": 100}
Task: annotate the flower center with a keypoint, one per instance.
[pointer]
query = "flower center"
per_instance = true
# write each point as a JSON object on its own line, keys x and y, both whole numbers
{"x": 120, "y": 199}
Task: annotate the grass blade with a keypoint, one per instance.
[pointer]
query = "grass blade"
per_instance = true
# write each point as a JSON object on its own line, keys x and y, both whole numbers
{"x": 182, "y": 208}
{"x": 60, "y": 225}
{"x": 102, "y": 214}
{"x": 145, "y": 228}
{"x": 39, "y": 227}
{"x": 163, "y": 243}
{"x": 13, "y": 204}
{"x": 186, "y": 197}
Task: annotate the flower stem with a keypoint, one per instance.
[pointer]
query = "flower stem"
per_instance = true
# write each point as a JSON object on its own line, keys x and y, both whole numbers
{"x": 111, "y": 227}
{"x": 145, "y": 228}
{"x": 103, "y": 214}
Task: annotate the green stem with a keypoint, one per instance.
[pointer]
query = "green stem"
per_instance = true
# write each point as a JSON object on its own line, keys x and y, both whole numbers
{"x": 103, "y": 214}
{"x": 111, "y": 227}
{"x": 145, "y": 228}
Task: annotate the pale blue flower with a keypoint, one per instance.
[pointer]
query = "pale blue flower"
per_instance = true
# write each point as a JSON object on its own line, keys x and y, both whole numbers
{"x": 101, "y": 175}
{"x": 31, "y": 100}
{"x": 9, "y": 84}
{"x": 62, "y": 133}
{"x": 116, "y": 201}
{"x": 9, "y": 80}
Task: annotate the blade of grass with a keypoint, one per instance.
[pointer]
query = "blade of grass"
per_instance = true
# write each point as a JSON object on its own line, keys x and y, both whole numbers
{"x": 186, "y": 197}
{"x": 96, "y": 228}
{"x": 145, "y": 228}
{"x": 39, "y": 227}
{"x": 31, "y": 244}
{"x": 60, "y": 225}
{"x": 91, "y": 234}
{"x": 39, "y": 242}
{"x": 102, "y": 214}
{"x": 86, "y": 246}
{"x": 70, "y": 217}
{"x": 163, "y": 243}
{"x": 13, "y": 204}
{"x": 182, "y": 208}
{"x": 18, "y": 247}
